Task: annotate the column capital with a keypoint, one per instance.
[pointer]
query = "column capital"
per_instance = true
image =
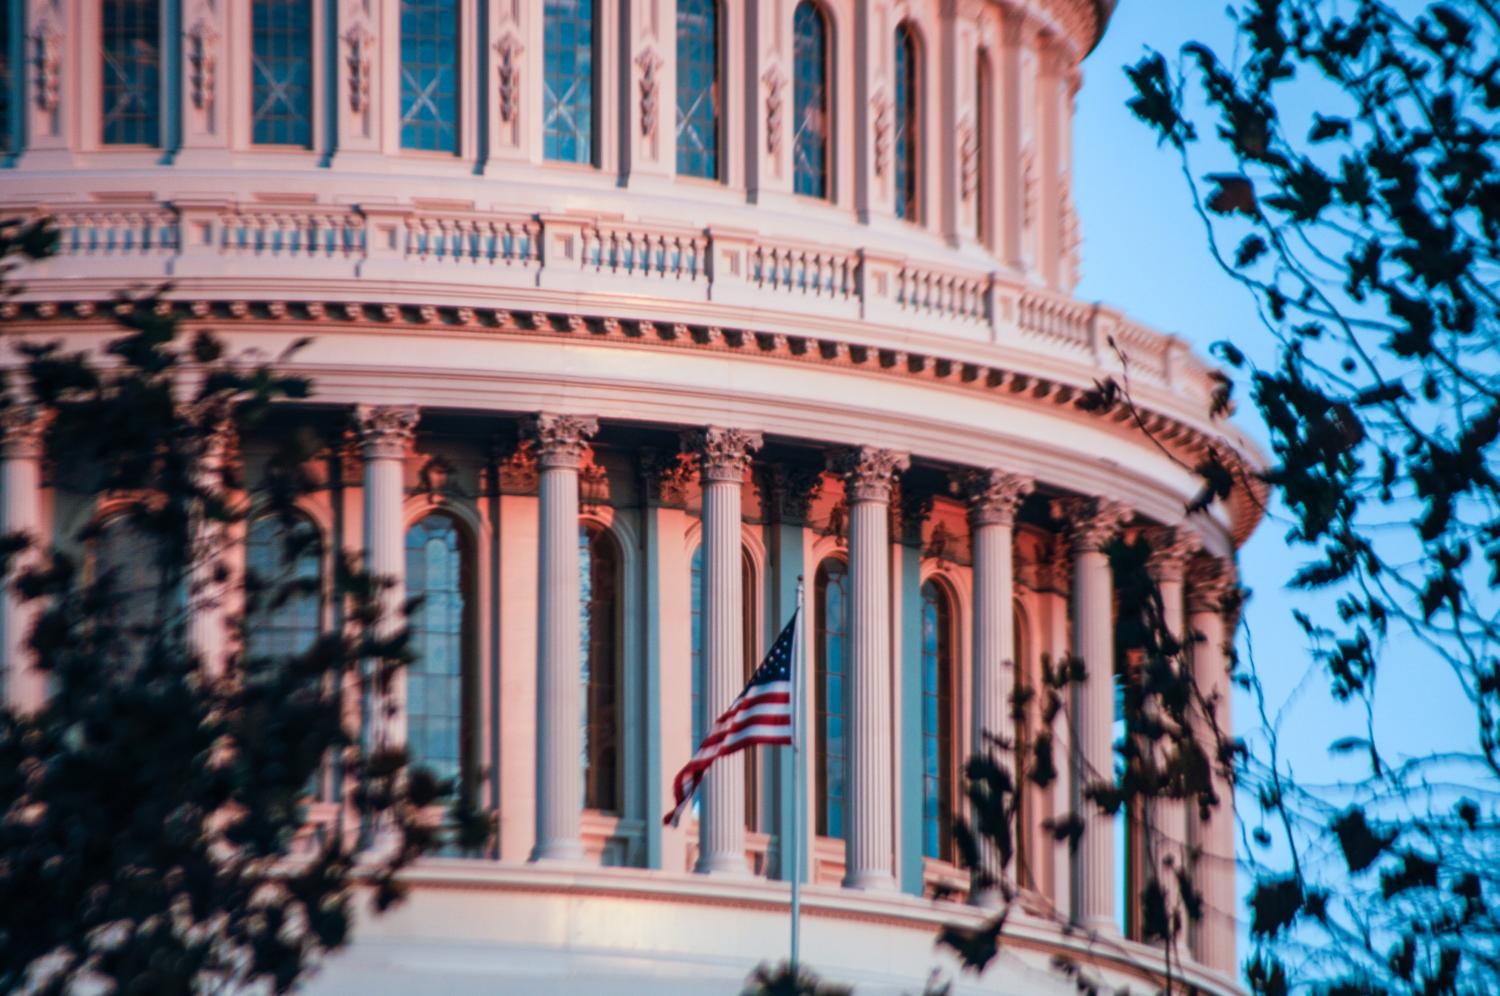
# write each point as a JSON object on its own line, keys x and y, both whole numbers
{"x": 665, "y": 477}
{"x": 560, "y": 440}
{"x": 1172, "y": 548}
{"x": 1212, "y": 585}
{"x": 1091, "y": 522}
{"x": 868, "y": 472}
{"x": 722, "y": 453}
{"x": 386, "y": 431}
{"x": 993, "y": 496}
{"x": 793, "y": 490}
{"x": 23, "y": 428}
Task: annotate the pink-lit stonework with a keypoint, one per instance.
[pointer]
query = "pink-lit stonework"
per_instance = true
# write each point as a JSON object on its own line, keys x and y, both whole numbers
{"x": 881, "y": 382}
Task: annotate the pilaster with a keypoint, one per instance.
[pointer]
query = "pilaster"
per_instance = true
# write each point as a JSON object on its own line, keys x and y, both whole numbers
{"x": 22, "y": 431}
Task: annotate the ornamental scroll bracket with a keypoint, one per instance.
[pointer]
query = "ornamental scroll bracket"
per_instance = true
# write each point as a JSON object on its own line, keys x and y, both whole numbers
{"x": 775, "y": 84}
{"x": 361, "y": 41}
{"x": 649, "y": 62}
{"x": 203, "y": 63}
{"x": 880, "y": 104}
{"x": 508, "y": 51}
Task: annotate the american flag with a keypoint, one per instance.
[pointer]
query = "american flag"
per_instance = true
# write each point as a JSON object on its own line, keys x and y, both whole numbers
{"x": 762, "y": 714}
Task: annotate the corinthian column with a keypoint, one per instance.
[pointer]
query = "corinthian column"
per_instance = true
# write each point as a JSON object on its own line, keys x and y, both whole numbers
{"x": 868, "y": 475}
{"x": 560, "y": 442}
{"x": 723, "y": 455}
{"x": 385, "y": 435}
{"x": 993, "y": 497}
{"x": 1093, "y": 522}
{"x": 214, "y": 547}
{"x": 22, "y": 428}
{"x": 1171, "y": 549}
{"x": 1209, "y": 603}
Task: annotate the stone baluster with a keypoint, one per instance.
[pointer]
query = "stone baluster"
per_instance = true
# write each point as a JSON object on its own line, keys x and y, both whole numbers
{"x": 1093, "y": 522}
{"x": 993, "y": 496}
{"x": 723, "y": 455}
{"x": 560, "y": 442}
{"x": 386, "y": 433}
{"x": 1171, "y": 549}
{"x": 1210, "y": 601}
{"x": 22, "y": 431}
{"x": 868, "y": 475}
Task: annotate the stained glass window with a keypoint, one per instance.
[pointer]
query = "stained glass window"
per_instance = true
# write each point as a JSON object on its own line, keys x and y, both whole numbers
{"x": 908, "y": 138}
{"x": 130, "y": 81}
{"x": 429, "y": 75}
{"x": 281, "y": 72}
{"x": 811, "y": 111}
{"x": 437, "y": 570}
{"x": 599, "y": 570}
{"x": 698, "y": 92}
{"x": 568, "y": 84}
{"x": 7, "y": 80}
{"x": 831, "y": 611}
{"x": 937, "y": 722}
{"x": 284, "y": 565}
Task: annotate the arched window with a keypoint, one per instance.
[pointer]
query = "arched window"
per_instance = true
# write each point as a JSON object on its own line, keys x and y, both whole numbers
{"x": 439, "y": 723}
{"x": 429, "y": 75}
{"x": 698, "y": 88}
{"x": 130, "y": 77}
{"x": 701, "y": 719}
{"x": 908, "y": 137}
{"x": 131, "y": 560}
{"x": 812, "y": 108}
{"x": 938, "y": 727}
{"x": 984, "y": 104}
{"x": 284, "y": 562}
{"x": 599, "y": 623}
{"x": 568, "y": 85}
{"x": 281, "y": 72}
{"x": 831, "y": 625}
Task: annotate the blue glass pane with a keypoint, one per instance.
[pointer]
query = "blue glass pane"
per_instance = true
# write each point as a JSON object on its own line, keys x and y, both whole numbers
{"x": 281, "y": 72}
{"x": 568, "y": 84}
{"x": 429, "y": 75}
{"x": 130, "y": 74}
{"x": 937, "y": 721}
{"x": 832, "y": 626}
{"x": 598, "y": 632}
{"x": 811, "y": 110}
{"x": 285, "y": 565}
{"x": 907, "y": 118}
{"x": 435, "y": 696}
{"x": 698, "y": 88}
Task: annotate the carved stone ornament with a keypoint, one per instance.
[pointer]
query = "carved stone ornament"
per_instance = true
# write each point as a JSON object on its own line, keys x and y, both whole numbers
{"x": 793, "y": 490}
{"x": 560, "y": 440}
{"x": 203, "y": 63}
{"x": 1059, "y": 565}
{"x": 774, "y": 83}
{"x": 868, "y": 472}
{"x": 593, "y": 485}
{"x": 1172, "y": 549}
{"x": 648, "y": 62}
{"x": 361, "y": 42}
{"x": 1029, "y": 188}
{"x": 46, "y": 64}
{"x": 1091, "y": 522}
{"x": 666, "y": 478}
{"x": 1211, "y": 586}
{"x": 1071, "y": 231}
{"x": 880, "y": 104}
{"x": 386, "y": 431}
{"x": 508, "y": 51}
{"x": 993, "y": 496}
{"x": 723, "y": 454}
{"x": 912, "y": 508}
{"x": 518, "y": 471}
{"x": 968, "y": 159}
{"x": 23, "y": 428}
{"x": 437, "y": 478}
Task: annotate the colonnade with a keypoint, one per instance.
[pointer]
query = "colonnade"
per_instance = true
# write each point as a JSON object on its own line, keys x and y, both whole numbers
{"x": 722, "y": 457}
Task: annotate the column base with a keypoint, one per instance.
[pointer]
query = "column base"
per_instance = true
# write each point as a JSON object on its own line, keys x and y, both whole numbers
{"x": 558, "y": 852}
{"x": 1101, "y": 926}
{"x": 870, "y": 881}
{"x": 724, "y": 866}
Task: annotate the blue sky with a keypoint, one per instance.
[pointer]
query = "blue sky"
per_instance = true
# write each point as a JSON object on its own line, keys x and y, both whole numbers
{"x": 1145, "y": 251}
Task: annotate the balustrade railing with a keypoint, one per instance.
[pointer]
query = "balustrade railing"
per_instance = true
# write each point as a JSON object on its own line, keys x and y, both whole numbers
{"x": 884, "y": 289}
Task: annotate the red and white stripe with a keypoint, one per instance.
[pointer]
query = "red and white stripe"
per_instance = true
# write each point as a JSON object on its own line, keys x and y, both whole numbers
{"x": 761, "y": 715}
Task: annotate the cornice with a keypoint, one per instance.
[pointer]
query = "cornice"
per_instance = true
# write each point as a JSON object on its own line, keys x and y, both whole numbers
{"x": 1185, "y": 441}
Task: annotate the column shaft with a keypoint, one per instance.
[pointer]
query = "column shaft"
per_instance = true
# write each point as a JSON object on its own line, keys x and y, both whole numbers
{"x": 559, "y": 811}
{"x": 722, "y": 457}
{"x": 1212, "y": 939}
{"x": 20, "y": 506}
{"x": 870, "y": 853}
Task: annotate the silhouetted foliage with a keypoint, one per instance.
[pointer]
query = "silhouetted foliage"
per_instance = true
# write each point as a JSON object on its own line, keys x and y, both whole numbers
{"x": 150, "y": 808}
{"x": 1368, "y": 232}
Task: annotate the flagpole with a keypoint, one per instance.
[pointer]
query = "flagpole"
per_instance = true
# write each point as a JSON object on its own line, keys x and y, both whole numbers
{"x": 797, "y": 776}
